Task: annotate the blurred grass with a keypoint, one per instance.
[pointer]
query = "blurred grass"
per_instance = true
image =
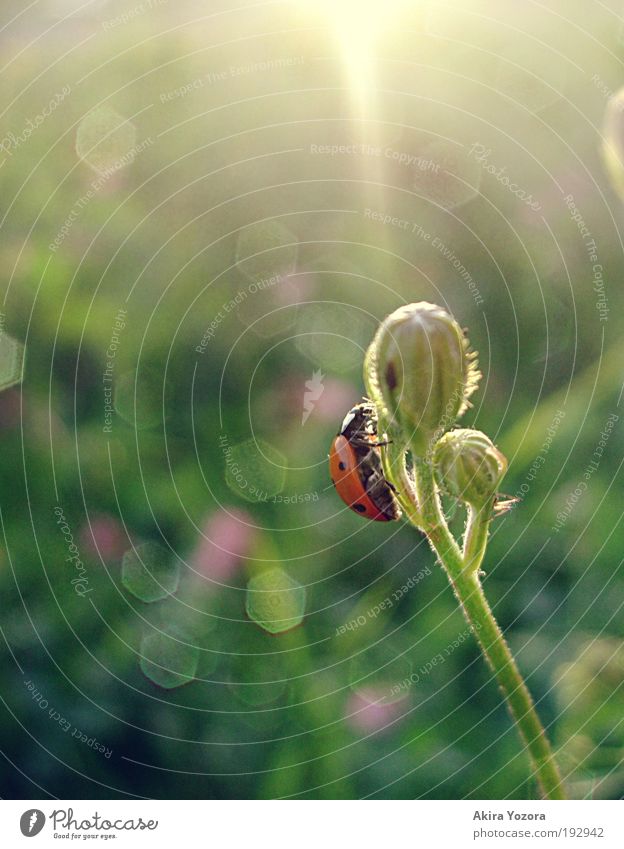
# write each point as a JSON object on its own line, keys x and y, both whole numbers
{"x": 162, "y": 239}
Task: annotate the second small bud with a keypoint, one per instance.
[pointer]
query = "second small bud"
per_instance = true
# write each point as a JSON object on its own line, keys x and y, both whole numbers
{"x": 469, "y": 467}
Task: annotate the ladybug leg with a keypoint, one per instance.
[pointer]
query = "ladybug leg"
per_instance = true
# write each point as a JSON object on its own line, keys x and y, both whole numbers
{"x": 380, "y": 491}
{"x": 357, "y": 442}
{"x": 367, "y": 443}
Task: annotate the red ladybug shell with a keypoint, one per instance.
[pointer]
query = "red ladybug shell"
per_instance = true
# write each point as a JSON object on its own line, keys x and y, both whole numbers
{"x": 345, "y": 473}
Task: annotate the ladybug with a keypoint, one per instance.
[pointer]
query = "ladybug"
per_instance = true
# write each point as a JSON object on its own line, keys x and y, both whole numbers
{"x": 355, "y": 466}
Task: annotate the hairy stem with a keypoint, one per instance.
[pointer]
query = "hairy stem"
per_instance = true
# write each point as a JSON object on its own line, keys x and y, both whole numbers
{"x": 464, "y": 578}
{"x": 476, "y": 536}
{"x": 395, "y": 470}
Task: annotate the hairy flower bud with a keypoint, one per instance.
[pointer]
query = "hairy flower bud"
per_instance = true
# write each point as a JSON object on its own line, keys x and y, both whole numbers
{"x": 468, "y": 466}
{"x": 420, "y": 372}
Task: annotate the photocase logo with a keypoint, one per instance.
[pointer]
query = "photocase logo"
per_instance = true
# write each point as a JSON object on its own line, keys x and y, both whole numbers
{"x": 31, "y": 822}
{"x": 313, "y": 391}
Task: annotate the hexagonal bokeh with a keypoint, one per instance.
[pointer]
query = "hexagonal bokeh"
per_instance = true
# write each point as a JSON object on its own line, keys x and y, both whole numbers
{"x": 271, "y": 310}
{"x": 255, "y": 470}
{"x": 275, "y": 601}
{"x": 105, "y": 140}
{"x": 150, "y": 572}
{"x": 265, "y": 250}
{"x": 11, "y": 361}
{"x": 168, "y": 658}
{"x": 333, "y": 337}
{"x": 138, "y": 398}
{"x": 532, "y": 75}
{"x": 445, "y": 174}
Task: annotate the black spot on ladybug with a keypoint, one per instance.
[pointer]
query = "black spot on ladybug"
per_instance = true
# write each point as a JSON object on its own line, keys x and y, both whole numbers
{"x": 360, "y": 508}
{"x": 341, "y": 466}
{"x": 391, "y": 378}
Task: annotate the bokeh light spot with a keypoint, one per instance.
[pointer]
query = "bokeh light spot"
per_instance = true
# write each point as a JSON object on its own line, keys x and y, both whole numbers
{"x": 150, "y": 572}
{"x": 275, "y": 601}
{"x": 167, "y": 659}
{"x": 333, "y": 337}
{"x": 271, "y": 310}
{"x": 446, "y": 174}
{"x": 266, "y": 249}
{"x": 105, "y": 140}
{"x": 255, "y": 470}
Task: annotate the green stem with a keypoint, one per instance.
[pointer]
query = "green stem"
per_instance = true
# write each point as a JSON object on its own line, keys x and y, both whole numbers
{"x": 476, "y": 536}
{"x": 395, "y": 470}
{"x": 467, "y": 588}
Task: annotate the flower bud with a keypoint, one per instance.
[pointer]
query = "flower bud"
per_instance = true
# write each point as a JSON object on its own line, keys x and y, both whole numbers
{"x": 468, "y": 466}
{"x": 420, "y": 372}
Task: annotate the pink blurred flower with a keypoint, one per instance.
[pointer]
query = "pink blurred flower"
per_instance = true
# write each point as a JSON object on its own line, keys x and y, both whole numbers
{"x": 368, "y": 710}
{"x": 295, "y": 289}
{"x": 331, "y": 402}
{"x": 227, "y": 536}
{"x": 337, "y": 399}
{"x": 104, "y": 537}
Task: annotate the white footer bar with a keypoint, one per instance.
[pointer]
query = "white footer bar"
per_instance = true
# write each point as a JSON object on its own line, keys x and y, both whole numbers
{"x": 302, "y": 824}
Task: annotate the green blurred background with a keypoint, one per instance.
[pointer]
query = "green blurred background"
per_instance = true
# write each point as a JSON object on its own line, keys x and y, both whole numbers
{"x": 198, "y": 240}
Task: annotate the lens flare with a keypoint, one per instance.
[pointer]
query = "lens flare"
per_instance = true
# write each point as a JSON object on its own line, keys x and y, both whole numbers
{"x": 358, "y": 26}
